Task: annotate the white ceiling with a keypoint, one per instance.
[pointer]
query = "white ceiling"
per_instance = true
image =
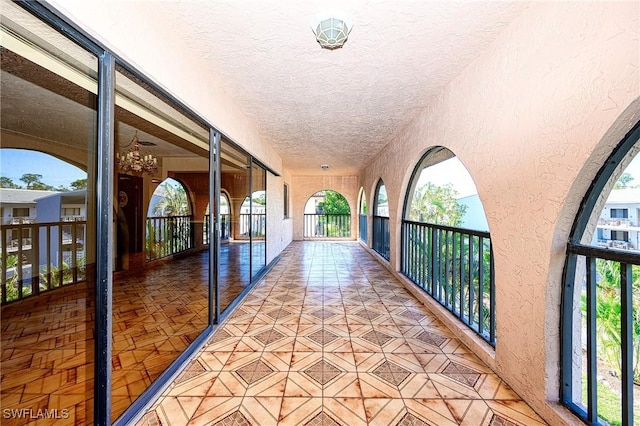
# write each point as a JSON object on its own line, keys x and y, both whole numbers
{"x": 339, "y": 107}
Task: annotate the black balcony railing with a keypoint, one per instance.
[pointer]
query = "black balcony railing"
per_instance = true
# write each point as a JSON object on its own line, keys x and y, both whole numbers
{"x": 37, "y": 257}
{"x": 327, "y": 225}
{"x": 255, "y": 223}
{"x": 381, "y": 236}
{"x": 362, "y": 222}
{"x": 225, "y": 225}
{"x": 603, "y": 337}
{"x": 455, "y": 267}
{"x": 168, "y": 235}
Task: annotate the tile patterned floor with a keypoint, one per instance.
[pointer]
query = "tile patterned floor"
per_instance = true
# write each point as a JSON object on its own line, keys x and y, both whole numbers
{"x": 330, "y": 337}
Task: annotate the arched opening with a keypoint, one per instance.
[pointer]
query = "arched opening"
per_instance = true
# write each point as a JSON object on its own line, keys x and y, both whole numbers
{"x": 44, "y": 212}
{"x": 601, "y": 295}
{"x": 381, "y": 239}
{"x": 225, "y": 219}
{"x": 446, "y": 246}
{"x": 168, "y": 227}
{"x": 327, "y": 215}
{"x": 362, "y": 215}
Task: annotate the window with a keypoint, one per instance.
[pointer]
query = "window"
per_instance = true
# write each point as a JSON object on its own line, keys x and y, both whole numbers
{"x": 601, "y": 299}
{"x": 619, "y": 213}
{"x": 620, "y": 235}
{"x": 21, "y": 212}
{"x": 70, "y": 211}
{"x": 286, "y": 201}
{"x": 446, "y": 246}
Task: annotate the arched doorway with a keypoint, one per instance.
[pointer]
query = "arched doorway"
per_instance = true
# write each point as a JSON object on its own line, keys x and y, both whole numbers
{"x": 601, "y": 295}
{"x": 168, "y": 226}
{"x": 327, "y": 215}
{"x": 362, "y": 215}
{"x": 381, "y": 243}
{"x": 446, "y": 246}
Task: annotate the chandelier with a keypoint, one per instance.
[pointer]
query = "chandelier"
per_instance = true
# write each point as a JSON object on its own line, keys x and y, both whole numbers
{"x": 132, "y": 160}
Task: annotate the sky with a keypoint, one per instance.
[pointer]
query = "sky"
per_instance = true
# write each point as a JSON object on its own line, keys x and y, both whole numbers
{"x": 14, "y": 163}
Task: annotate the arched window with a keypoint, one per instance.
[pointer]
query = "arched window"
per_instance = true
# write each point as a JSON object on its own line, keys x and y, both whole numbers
{"x": 381, "y": 221}
{"x": 601, "y": 295}
{"x": 327, "y": 215}
{"x": 362, "y": 211}
{"x": 446, "y": 247}
{"x": 168, "y": 220}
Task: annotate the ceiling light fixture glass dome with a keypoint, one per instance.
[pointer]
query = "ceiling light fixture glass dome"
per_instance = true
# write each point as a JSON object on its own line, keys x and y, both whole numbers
{"x": 332, "y": 33}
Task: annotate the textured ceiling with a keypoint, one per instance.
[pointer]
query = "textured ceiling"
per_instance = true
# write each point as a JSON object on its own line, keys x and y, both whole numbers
{"x": 338, "y": 107}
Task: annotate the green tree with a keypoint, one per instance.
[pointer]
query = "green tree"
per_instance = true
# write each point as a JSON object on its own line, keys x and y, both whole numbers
{"x": 436, "y": 204}
{"x": 623, "y": 181}
{"x": 335, "y": 203}
{"x": 173, "y": 200}
{"x": 34, "y": 181}
{"x": 79, "y": 184}
{"x": 6, "y": 182}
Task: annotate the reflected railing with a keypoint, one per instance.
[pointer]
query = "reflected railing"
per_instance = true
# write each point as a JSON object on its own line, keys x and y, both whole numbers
{"x": 168, "y": 235}
{"x": 455, "y": 267}
{"x": 37, "y": 257}
{"x": 225, "y": 227}
{"x": 254, "y": 223}
{"x": 327, "y": 225}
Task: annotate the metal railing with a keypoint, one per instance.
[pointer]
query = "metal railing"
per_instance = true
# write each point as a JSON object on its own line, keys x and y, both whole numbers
{"x": 455, "y": 267}
{"x": 601, "y": 281}
{"x": 225, "y": 225}
{"x": 362, "y": 222}
{"x": 381, "y": 236}
{"x": 37, "y": 257}
{"x": 167, "y": 235}
{"x": 255, "y": 223}
{"x": 327, "y": 225}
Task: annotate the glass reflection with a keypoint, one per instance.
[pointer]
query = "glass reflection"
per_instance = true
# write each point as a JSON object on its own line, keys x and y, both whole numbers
{"x": 48, "y": 238}
{"x": 160, "y": 287}
{"x": 258, "y": 219}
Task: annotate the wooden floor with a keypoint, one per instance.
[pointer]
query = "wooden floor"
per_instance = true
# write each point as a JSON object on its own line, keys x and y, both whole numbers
{"x": 330, "y": 337}
{"x": 47, "y": 346}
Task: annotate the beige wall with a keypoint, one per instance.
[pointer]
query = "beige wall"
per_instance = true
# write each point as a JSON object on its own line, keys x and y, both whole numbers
{"x": 305, "y": 186}
{"x": 532, "y": 119}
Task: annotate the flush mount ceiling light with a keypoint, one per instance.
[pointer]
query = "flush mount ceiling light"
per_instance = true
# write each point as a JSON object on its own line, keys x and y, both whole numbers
{"x": 324, "y": 166}
{"x": 332, "y": 33}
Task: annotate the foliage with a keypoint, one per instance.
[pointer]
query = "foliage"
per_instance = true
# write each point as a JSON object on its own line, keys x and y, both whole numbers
{"x": 436, "y": 204}
{"x": 34, "y": 181}
{"x": 609, "y": 315}
{"x": 6, "y": 182}
{"x": 623, "y": 181}
{"x": 79, "y": 184}
{"x": 260, "y": 199}
{"x": 334, "y": 203}
{"x": 173, "y": 201}
{"x": 12, "y": 281}
{"x": 52, "y": 279}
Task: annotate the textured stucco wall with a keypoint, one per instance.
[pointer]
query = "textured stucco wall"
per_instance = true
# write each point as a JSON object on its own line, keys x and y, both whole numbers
{"x": 304, "y": 187}
{"x": 532, "y": 119}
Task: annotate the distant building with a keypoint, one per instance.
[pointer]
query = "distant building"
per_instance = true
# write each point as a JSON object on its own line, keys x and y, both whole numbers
{"x": 474, "y": 217}
{"x": 618, "y": 225}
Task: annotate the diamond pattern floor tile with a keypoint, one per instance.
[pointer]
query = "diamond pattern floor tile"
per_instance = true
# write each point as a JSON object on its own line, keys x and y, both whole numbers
{"x": 330, "y": 337}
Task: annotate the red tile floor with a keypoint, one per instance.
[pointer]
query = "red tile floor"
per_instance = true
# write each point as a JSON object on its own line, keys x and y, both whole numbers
{"x": 330, "y": 337}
